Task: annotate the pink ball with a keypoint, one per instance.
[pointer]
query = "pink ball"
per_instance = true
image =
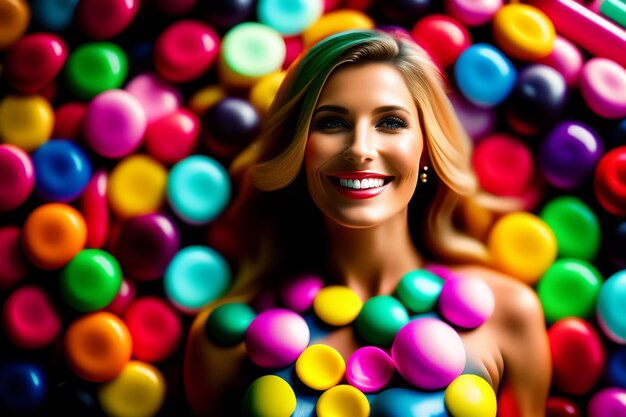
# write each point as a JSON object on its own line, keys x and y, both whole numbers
{"x": 369, "y": 369}
{"x": 114, "y": 123}
{"x": 603, "y": 86}
{"x": 157, "y": 97}
{"x": 299, "y": 292}
{"x": 608, "y": 402}
{"x": 466, "y": 302}
{"x": 566, "y": 58}
{"x": 473, "y": 12}
{"x": 428, "y": 353}
{"x": 276, "y": 338}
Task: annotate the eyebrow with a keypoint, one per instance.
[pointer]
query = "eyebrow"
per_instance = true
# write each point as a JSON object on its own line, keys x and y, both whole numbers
{"x": 343, "y": 110}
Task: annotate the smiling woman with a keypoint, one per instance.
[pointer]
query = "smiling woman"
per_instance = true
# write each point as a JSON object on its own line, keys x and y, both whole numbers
{"x": 334, "y": 194}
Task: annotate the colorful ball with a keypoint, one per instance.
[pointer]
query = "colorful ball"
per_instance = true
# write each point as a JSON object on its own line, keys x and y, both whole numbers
{"x": 17, "y": 177}
{"x": 23, "y": 387}
{"x": 419, "y": 290}
{"x": 380, "y": 319}
{"x": 269, "y": 396}
{"x": 227, "y": 324}
{"x": 299, "y": 291}
{"x": 337, "y": 305}
{"x": 607, "y": 402}
{"x": 369, "y": 369}
{"x": 320, "y": 367}
{"x": 26, "y": 121}
{"x": 342, "y": 401}
{"x": 157, "y": 98}
{"x": 470, "y": 396}
{"x": 609, "y": 182}
{"x": 466, "y": 302}
{"x": 609, "y": 310}
{"x": 402, "y": 402}
{"x": 289, "y": 17}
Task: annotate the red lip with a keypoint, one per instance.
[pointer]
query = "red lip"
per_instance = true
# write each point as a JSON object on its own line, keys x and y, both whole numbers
{"x": 359, "y": 175}
{"x": 350, "y": 193}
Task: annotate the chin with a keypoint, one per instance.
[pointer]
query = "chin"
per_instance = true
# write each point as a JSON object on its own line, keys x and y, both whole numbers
{"x": 357, "y": 218}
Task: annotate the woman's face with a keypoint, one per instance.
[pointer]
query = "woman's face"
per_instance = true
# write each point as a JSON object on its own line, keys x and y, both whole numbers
{"x": 364, "y": 146}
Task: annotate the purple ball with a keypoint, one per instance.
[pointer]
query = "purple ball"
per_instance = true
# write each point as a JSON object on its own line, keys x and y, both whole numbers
{"x": 569, "y": 154}
{"x": 428, "y": 353}
{"x": 608, "y": 402}
{"x": 276, "y": 338}
{"x": 231, "y": 124}
{"x": 477, "y": 121}
{"x": 145, "y": 245}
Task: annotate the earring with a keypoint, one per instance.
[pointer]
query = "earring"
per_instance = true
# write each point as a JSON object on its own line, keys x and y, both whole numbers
{"x": 424, "y": 174}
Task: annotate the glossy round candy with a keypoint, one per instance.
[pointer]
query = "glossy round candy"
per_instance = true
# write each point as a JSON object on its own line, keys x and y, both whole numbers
{"x": 198, "y": 189}
{"x": 231, "y": 124}
{"x": 34, "y": 61}
{"x": 93, "y": 205}
{"x": 607, "y": 402}
{"x": 53, "y": 234}
{"x": 227, "y": 324}
{"x": 250, "y": 51}
{"x": 484, "y": 75}
{"x": 173, "y": 137}
{"x": 566, "y": 58}
{"x": 30, "y": 318}
{"x": 114, "y": 340}
{"x": 575, "y": 225}
{"x": 609, "y": 181}
{"x": 337, "y": 305}
{"x": 522, "y": 245}
{"x": 419, "y": 290}
{"x": 473, "y": 13}
{"x": 146, "y": 244}
{"x": 15, "y": 18}
{"x": 224, "y": 14}
{"x": 369, "y": 369}
{"x": 104, "y": 20}
{"x": 569, "y": 288}
{"x": 299, "y": 291}
{"x": 196, "y": 276}
{"x": 114, "y": 140}
{"x": 53, "y": 15}
{"x": 203, "y": 99}
{"x": 610, "y": 303}
{"x": 63, "y": 170}
{"x": 90, "y": 280}
{"x": 25, "y": 121}
{"x": 477, "y": 121}
{"x": 504, "y": 164}
{"x": 23, "y": 385}
{"x": 320, "y": 367}
{"x": 263, "y": 91}
{"x": 157, "y": 98}
{"x": 402, "y": 402}
{"x": 466, "y": 302}
{"x": 615, "y": 370}
{"x": 335, "y": 22}
{"x": 137, "y": 186}
{"x": 470, "y": 396}
{"x": 185, "y": 50}
{"x": 155, "y": 327}
{"x": 138, "y": 391}
{"x": 269, "y": 395}
{"x": 13, "y": 264}
{"x": 276, "y": 337}
{"x": 95, "y": 67}
{"x": 428, "y": 353}
{"x": 342, "y": 400}
{"x": 562, "y": 407}
{"x": 123, "y": 298}
{"x": 578, "y": 355}
{"x": 603, "y": 86}
{"x": 380, "y": 319}
{"x": 444, "y": 37}
{"x": 523, "y": 31}
{"x": 17, "y": 177}
{"x": 289, "y": 17}
{"x": 68, "y": 118}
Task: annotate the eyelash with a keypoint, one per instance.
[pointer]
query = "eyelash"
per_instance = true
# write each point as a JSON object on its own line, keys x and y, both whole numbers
{"x": 323, "y": 124}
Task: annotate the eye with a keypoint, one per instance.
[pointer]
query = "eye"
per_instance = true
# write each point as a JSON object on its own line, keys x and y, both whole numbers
{"x": 330, "y": 123}
{"x": 392, "y": 123}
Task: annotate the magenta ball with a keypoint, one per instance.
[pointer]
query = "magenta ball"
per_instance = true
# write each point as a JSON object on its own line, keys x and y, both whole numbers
{"x": 608, "y": 402}
{"x": 466, "y": 302}
{"x": 428, "y": 353}
{"x": 276, "y": 338}
{"x": 298, "y": 293}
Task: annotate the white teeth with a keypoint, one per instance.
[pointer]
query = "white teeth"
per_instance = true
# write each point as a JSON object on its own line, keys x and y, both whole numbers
{"x": 362, "y": 184}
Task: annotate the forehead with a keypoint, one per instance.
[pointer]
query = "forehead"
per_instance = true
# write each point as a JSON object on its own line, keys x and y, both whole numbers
{"x": 369, "y": 84}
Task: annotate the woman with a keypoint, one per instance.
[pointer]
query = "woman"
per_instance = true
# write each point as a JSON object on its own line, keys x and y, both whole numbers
{"x": 356, "y": 122}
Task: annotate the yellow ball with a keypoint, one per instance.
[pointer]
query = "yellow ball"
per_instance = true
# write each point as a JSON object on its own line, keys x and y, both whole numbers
{"x": 137, "y": 186}
{"x": 269, "y": 396}
{"x": 337, "y": 305}
{"x": 523, "y": 31}
{"x": 138, "y": 391}
{"x": 343, "y": 401}
{"x": 470, "y": 396}
{"x": 522, "y": 245}
{"x": 263, "y": 92}
{"x": 320, "y": 367}
{"x": 26, "y": 121}
{"x": 335, "y": 22}
{"x": 205, "y": 98}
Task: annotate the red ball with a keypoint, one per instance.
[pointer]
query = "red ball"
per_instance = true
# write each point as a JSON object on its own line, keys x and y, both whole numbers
{"x": 443, "y": 37}
{"x": 34, "y": 61}
{"x": 13, "y": 264}
{"x": 561, "y": 407}
{"x": 155, "y": 327}
{"x": 105, "y": 19}
{"x": 68, "y": 119}
{"x": 610, "y": 181}
{"x": 173, "y": 137}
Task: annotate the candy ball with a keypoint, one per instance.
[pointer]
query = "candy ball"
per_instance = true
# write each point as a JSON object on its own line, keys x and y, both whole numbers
{"x": 342, "y": 400}
{"x": 269, "y": 395}
{"x": 472, "y": 13}
{"x": 275, "y": 338}
{"x": 231, "y": 124}
{"x": 23, "y": 387}
{"x": 402, "y": 402}
{"x": 466, "y": 302}
{"x": 320, "y": 367}
{"x": 607, "y": 402}
{"x": 289, "y": 17}
{"x": 615, "y": 370}
{"x": 470, "y": 396}
{"x": 227, "y": 324}
{"x": 561, "y": 407}
{"x": 26, "y": 121}
{"x": 123, "y": 298}
{"x": 369, "y": 369}
{"x": 603, "y": 86}
{"x": 337, "y": 305}
{"x": 380, "y": 319}
{"x": 158, "y": 98}
{"x": 17, "y": 177}
{"x": 104, "y": 20}
{"x": 566, "y": 58}
{"x": 299, "y": 291}
{"x": 428, "y": 353}
{"x": 16, "y": 17}
{"x": 609, "y": 182}
{"x": 93, "y": 205}
{"x": 419, "y": 290}
{"x": 56, "y": 15}
{"x": 609, "y": 311}
{"x": 444, "y": 37}
{"x": 173, "y": 137}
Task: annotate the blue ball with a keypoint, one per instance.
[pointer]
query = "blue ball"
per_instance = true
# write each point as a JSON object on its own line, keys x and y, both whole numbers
{"x": 23, "y": 387}
{"x": 610, "y": 307}
{"x": 289, "y": 17}
{"x": 616, "y": 368}
{"x": 484, "y": 75}
{"x": 54, "y": 15}
{"x": 404, "y": 402}
{"x": 198, "y": 189}
{"x": 62, "y": 170}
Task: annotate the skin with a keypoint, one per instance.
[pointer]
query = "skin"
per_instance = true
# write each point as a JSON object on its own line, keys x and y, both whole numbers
{"x": 370, "y": 248}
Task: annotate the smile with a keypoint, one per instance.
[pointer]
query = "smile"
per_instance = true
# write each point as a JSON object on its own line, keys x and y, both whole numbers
{"x": 359, "y": 185}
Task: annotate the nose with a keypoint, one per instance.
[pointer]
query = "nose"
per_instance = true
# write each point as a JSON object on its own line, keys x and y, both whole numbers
{"x": 360, "y": 148}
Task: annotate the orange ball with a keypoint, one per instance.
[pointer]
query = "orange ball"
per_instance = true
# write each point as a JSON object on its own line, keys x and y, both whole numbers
{"x": 53, "y": 234}
{"x": 98, "y": 346}
{"x": 14, "y": 20}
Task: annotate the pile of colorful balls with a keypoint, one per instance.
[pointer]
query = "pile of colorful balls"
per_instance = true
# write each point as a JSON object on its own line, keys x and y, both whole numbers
{"x": 118, "y": 122}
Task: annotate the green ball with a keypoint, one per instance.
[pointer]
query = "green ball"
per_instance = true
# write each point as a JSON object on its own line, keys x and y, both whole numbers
{"x": 419, "y": 290}
{"x": 380, "y": 319}
{"x": 227, "y": 324}
{"x": 91, "y": 280}
{"x": 96, "y": 67}
{"x": 575, "y": 226}
{"x": 569, "y": 288}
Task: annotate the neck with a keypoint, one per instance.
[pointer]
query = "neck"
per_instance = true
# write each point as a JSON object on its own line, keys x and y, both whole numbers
{"x": 372, "y": 260}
